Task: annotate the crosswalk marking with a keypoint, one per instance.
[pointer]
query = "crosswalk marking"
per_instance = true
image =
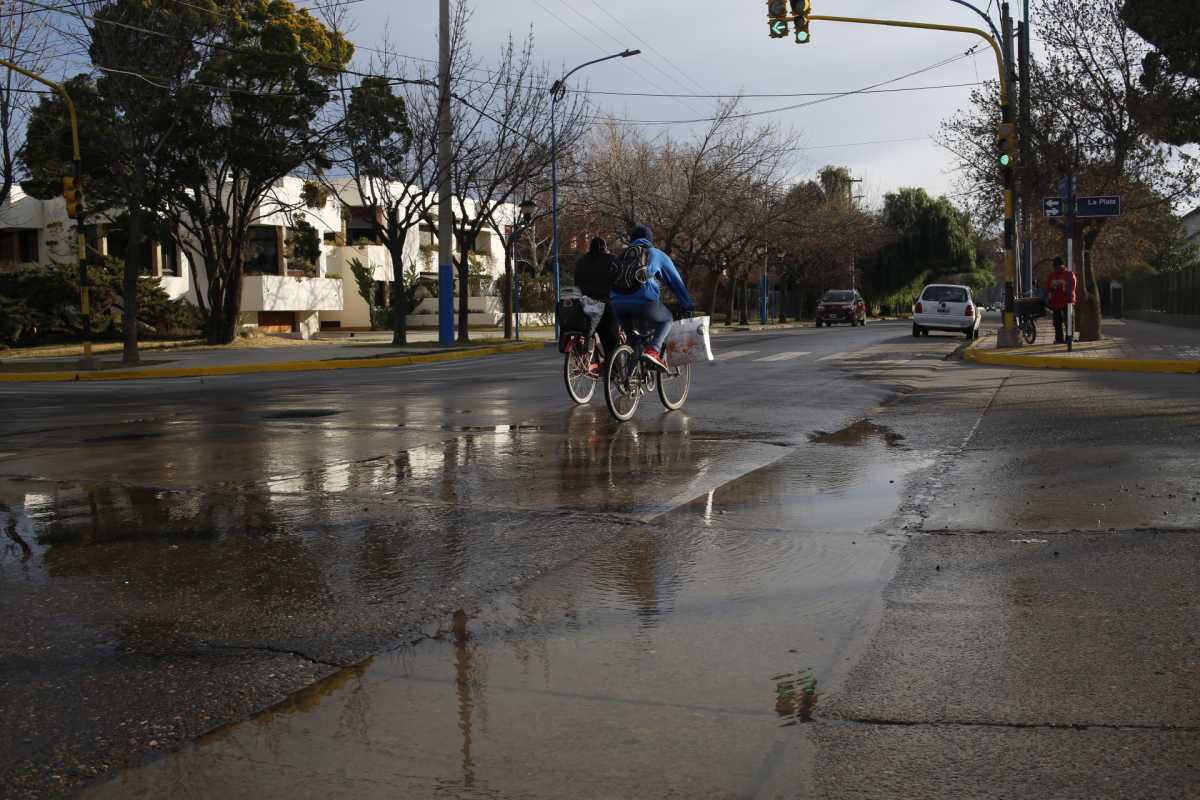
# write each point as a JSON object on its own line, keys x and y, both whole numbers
{"x": 784, "y": 356}
{"x": 728, "y": 354}
{"x": 832, "y": 356}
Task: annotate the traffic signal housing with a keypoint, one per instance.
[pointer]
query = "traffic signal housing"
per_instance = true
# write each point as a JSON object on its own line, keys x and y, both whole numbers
{"x": 1006, "y": 144}
{"x": 777, "y": 17}
{"x": 72, "y": 196}
{"x": 800, "y": 11}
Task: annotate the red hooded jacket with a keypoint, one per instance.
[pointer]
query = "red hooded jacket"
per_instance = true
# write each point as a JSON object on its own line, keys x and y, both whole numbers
{"x": 1061, "y": 287}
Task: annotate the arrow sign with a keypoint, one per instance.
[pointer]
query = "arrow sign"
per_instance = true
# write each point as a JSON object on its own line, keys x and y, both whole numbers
{"x": 1100, "y": 206}
{"x": 779, "y": 28}
{"x": 1052, "y": 206}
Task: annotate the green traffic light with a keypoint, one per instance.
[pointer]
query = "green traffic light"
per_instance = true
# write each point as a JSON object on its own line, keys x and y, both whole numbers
{"x": 1005, "y": 159}
{"x": 801, "y": 37}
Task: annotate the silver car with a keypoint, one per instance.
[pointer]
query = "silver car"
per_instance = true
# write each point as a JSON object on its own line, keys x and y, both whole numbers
{"x": 946, "y": 307}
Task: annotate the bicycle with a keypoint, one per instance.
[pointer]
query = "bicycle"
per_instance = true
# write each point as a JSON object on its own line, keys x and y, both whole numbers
{"x": 577, "y": 361}
{"x": 627, "y": 378}
{"x": 1029, "y": 309}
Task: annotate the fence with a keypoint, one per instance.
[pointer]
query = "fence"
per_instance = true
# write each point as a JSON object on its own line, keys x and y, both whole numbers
{"x": 1176, "y": 292}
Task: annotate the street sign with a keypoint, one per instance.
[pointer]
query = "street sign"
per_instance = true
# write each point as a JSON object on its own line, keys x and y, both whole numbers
{"x": 1052, "y": 206}
{"x": 1100, "y": 206}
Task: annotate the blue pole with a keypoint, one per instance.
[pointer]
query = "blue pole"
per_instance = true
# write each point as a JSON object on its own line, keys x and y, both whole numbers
{"x": 554, "y": 204}
{"x": 445, "y": 304}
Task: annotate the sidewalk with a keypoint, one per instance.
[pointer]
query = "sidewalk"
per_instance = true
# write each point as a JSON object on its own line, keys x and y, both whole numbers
{"x": 1126, "y": 346}
{"x": 344, "y": 352}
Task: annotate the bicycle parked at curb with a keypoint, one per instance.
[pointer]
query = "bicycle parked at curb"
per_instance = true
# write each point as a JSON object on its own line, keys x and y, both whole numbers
{"x": 1029, "y": 310}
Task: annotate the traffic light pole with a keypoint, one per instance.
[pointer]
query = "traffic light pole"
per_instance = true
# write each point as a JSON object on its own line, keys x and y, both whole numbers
{"x": 1009, "y": 335}
{"x": 85, "y": 308}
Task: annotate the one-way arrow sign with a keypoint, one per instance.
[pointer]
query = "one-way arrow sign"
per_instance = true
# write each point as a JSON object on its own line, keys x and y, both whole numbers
{"x": 1052, "y": 206}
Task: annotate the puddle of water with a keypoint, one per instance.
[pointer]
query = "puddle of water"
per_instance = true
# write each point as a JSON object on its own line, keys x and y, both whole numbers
{"x": 862, "y": 432}
{"x": 302, "y": 413}
{"x": 679, "y": 661}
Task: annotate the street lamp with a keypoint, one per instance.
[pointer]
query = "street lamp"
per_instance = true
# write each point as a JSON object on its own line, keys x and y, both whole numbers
{"x": 557, "y": 92}
{"x": 527, "y": 207}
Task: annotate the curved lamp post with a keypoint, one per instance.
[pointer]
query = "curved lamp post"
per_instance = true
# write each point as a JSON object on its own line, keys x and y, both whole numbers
{"x": 557, "y": 92}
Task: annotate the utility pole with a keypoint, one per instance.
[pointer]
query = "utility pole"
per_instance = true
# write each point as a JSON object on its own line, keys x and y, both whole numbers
{"x": 850, "y": 198}
{"x": 1028, "y": 185}
{"x": 445, "y": 206}
{"x": 1008, "y": 335}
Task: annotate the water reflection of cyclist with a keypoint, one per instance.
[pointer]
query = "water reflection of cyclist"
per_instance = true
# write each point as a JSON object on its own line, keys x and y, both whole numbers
{"x": 593, "y": 276}
{"x": 643, "y": 302}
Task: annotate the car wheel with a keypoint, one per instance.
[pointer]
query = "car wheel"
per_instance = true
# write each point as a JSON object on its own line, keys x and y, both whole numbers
{"x": 916, "y": 330}
{"x": 818, "y": 323}
{"x": 924, "y": 331}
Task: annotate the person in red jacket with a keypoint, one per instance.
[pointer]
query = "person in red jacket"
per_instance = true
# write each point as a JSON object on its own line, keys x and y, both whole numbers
{"x": 1061, "y": 288}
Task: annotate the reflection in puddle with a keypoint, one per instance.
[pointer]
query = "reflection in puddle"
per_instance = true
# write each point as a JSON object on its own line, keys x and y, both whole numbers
{"x": 795, "y": 696}
{"x": 862, "y": 432}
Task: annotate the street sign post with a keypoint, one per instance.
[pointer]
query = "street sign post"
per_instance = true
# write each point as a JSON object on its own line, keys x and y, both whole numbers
{"x": 1052, "y": 206}
{"x": 1099, "y": 206}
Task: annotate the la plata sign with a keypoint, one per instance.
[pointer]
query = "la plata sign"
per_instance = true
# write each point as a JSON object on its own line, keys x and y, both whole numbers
{"x": 1101, "y": 206}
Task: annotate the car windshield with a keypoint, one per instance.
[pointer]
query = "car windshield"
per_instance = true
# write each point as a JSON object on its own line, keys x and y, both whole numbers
{"x": 838, "y": 297}
{"x": 945, "y": 294}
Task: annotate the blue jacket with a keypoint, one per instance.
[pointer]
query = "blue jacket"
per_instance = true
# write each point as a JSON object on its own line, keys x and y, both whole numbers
{"x": 659, "y": 267}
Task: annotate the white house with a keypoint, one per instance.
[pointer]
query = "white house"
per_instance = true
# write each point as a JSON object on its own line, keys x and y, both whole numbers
{"x": 280, "y": 293}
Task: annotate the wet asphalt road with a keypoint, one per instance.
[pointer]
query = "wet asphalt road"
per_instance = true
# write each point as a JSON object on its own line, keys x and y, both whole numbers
{"x": 530, "y": 600}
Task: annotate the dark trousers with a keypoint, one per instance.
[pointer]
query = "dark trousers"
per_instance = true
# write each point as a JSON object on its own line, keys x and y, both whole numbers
{"x": 655, "y": 313}
{"x": 1060, "y": 324}
{"x": 609, "y": 330}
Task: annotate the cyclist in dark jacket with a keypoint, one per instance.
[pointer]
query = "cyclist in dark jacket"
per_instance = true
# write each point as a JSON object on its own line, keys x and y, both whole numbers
{"x": 593, "y": 276}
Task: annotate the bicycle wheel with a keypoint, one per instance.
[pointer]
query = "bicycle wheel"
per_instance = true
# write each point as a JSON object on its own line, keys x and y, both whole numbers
{"x": 1028, "y": 330}
{"x": 580, "y": 386}
{"x": 673, "y": 386}
{"x": 621, "y": 383}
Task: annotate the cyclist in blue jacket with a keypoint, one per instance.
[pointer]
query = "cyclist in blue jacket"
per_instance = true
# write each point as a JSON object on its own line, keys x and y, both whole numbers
{"x": 644, "y": 303}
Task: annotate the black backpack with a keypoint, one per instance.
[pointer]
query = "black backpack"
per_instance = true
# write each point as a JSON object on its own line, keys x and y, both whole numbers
{"x": 630, "y": 270}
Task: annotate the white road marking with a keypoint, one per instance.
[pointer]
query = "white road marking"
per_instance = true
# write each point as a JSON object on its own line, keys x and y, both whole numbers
{"x": 832, "y": 356}
{"x": 728, "y": 354}
{"x": 784, "y": 356}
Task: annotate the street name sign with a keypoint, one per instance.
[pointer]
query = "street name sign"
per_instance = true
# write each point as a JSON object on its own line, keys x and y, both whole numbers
{"x": 1100, "y": 206}
{"x": 1052, "y": 206}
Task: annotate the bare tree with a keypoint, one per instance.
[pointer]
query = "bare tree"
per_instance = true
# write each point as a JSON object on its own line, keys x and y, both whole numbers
{"x": 24, "y": 40}
{"x": 502, "y": 142}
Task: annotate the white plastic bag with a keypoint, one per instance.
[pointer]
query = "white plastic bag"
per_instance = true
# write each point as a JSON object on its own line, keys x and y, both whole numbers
{"x": 688, "y": 341}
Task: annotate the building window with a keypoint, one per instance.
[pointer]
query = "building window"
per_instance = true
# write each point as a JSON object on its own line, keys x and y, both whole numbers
{"x": 260, "y": 251}
{"x": 170, "y": 260}
{"x": 360, "y": 225}
{"x": 483, "y": 243}
{"x": 117, "y": 246}
{"x": 428, "y": 235}
{"x": 27, "y": 244}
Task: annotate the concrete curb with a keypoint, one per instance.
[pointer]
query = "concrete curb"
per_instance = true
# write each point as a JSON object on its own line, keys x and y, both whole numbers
{"x": 1150, "y": 365}
{"x": 255, "y": 369}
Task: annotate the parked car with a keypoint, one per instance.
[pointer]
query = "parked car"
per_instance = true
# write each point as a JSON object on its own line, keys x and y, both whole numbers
{"x": 946, "y": 307}
{"x": 841, "y": 305}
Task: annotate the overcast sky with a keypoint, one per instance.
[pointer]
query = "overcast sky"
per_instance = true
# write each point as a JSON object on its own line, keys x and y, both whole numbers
{"x": 725, "y": 49}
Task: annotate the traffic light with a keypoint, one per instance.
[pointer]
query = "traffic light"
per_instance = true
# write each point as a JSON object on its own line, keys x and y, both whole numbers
{"x": 1005, "y": 144}
{"x": 71, "y": 195}
{"x": 777, "y": 18}
{"x": 800, "y": 11}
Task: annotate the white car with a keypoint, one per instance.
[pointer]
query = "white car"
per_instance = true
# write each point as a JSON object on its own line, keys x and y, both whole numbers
{"x": 946, "y": 307}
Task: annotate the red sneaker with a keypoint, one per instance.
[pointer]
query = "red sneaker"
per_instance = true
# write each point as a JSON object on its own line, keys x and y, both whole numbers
{"x": 594, "y": 369}
{"x": 656, "y": 360}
